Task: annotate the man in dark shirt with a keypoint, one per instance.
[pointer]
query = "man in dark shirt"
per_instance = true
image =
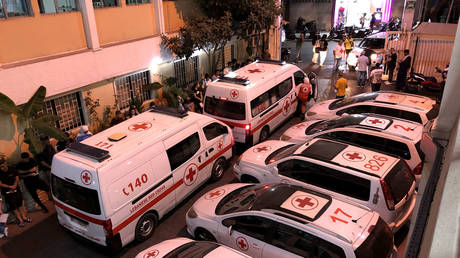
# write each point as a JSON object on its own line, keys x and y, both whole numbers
{"x": 45, "y": 157}
{"x": 117, "y": 119}
{"x": 10, "y": 190}
{"x": 404, "y": 66}
{"x": 28, "y": 171}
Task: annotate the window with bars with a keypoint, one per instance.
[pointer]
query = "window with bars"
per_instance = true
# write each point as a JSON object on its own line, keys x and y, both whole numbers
{"x": 105, "y": 3}
{"x": 186, "y": 71}
{"x": 12, "y": 8}
{"x": 129, "y": 88}
{"x": 68, "y": 108}
{"x": 57, "y": 6}
{"x": 132, "y": 2}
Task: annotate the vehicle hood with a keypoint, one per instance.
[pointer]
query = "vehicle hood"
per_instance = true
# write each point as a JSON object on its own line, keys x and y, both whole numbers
{"x": 163, "y": 248}
{"x": 206, "y": 204}
{"x": 320, "y": 111}
{"x": 257, "y": 154}
{"x": 296, "y": 133}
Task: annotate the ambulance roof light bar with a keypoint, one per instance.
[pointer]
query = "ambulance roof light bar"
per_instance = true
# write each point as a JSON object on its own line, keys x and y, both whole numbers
{"x": 88, "y": 151}
{"x": 239, "y": 81}
{"x": 169, "y": 111}
{"x": 267, "y": 61}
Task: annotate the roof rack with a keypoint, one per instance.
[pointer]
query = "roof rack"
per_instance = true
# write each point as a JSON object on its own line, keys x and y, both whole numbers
{"x": 239, "y": 81}
{"x": 169, "y": 111}
{"x": 267, "y": 61}
{"x": 88, "y": 151}
{"x": 327, "y": 231}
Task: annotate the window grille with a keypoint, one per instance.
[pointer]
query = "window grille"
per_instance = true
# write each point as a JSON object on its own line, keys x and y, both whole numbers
{"x": 129, "y": 88}
{"x": 186, "y": 71}
{"x": 12, "y": 8}
{"x": 57, "y": 6}
{"x": 105, "y": 3}
{"x": 68, "y": 108}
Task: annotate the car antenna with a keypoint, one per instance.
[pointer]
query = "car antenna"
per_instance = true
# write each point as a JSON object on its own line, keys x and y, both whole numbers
{"x": 356, "y": 220}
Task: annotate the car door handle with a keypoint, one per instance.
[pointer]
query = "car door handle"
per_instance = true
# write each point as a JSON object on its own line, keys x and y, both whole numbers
{"x": 199, "y": 159}
{"x": 211, "y": 150}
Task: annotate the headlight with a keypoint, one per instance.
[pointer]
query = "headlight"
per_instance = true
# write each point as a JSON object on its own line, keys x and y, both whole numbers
{"x": 373, "y": 56}
{"x": 191, "y": 213}
{"x": 309, "y": 113}
{"x": 285, "y": 138}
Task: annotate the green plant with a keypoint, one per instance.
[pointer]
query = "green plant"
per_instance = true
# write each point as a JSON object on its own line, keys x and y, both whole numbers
{"x": 169, "y": 90}
{"x": 28, "y": 121}
{"x": 137, "y": 103}
{"x": 98, "y": 124}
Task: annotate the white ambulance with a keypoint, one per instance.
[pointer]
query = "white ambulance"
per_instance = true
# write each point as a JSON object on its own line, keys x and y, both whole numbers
{"x": 114, "y": 187}
{"x": 255, "y": 99}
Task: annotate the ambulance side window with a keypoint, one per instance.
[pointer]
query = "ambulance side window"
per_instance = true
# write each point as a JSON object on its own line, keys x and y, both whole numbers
{"x": 285, "y": 87}
{"x": 183, "y": 151}
{"x": 298, "y": 77}
{"x": 213, "y": 130}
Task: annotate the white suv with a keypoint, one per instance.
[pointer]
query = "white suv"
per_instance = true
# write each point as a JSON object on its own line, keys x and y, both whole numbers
{"x": 419, "y": 109}
{"x": 281, "y": 220}
{"x": 392, "y": 136}
{"x": 378, "y": 181}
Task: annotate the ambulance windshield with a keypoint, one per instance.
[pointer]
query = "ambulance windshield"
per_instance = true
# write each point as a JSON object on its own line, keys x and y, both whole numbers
{"x": 225, "y": 108}
{"x": 81, "y": 198}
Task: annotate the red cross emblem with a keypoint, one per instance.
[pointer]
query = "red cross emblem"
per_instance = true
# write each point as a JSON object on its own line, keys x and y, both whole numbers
{"x": 374, "y": 121}
{"x": 86, "y": 177}
{"x": 190, "y": 174}
{"x": 341, "y": 51}
{"x": 151, "y": 254}
{"x": 392, "y": 97}
{"x": 242, "y": 243}
{"x": 140, "y": 126}
{"x": 262, "y": 149}
{"x": 214, "y": 194}
{"x": 286, "y": 107}
{"x": 354, "y": 156}
{"x": 300, "y": 126}
{"x": 257, "y": 70}
{"x": 234, "y": 94}
{"x": 220, "y": 145}
{"x": 304, "y": 202}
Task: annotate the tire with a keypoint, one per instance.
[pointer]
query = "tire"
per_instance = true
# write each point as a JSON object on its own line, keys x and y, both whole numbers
{"x": 145, "y": 227}
{"x": 218, "y": 169}
{"x": 249, "y": 179}
{"x": 264, "y": 134}
{"x": 203, "y": 234}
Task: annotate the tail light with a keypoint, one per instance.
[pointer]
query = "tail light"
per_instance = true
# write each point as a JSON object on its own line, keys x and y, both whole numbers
{"x": 108, "y": 228}
{"x": 247, "y": 129}
{"x": 418, "y": 169}
{"x": 386, "y": 193}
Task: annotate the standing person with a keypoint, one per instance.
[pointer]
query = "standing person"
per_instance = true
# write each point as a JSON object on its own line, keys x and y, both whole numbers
{"x": 362, "y": 20}
{"x": 404, "y": 66}
{"x": 363, "y": 63}
{"x": 322, "y": 49}
{"x": 28, "y": 171}
{"x": 372, "y": 22}
{"x": 132, "y": 111}
{"x": 298, "y": 47}
{"x": 206, "y": 81}
{"x": 338, "y": 52}
{"x": 316, "y": 50}
{"x": 45, "y": 158}
{"x": 84, "y": 133}
{"x": 303, "y": 96}
{"x": 349, "y": 44}
{"x": 376, "y": 77}
{"x": 62, "y": 144}
{"x": 391, "y": 64}
{"x": 9, "y": 187}
{"x": 341, "y": 86}
{"x": 197, "y": 98}
{"x": 118, "y": 118}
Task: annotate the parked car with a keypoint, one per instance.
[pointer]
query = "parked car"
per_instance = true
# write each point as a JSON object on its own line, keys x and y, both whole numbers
{"x": 281, "y": 220}
{"x": 392, "y": 136}
{"x": 410, "y": 107}
{"x": 375, "y": 180}
{"x": 185, "y": 247}
{"x": 373, "y": 47}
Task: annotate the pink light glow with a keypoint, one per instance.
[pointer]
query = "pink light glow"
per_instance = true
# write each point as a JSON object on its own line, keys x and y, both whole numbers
{"x": 387, "y": 11}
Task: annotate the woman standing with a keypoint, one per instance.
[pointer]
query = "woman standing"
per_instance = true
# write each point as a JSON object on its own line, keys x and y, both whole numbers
{"x": 322, "y": 49}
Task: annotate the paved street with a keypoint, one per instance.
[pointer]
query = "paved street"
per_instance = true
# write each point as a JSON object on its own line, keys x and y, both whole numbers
{"x": 44, "y": 237}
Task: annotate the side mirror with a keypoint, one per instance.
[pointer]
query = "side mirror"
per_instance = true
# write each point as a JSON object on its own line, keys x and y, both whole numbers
{"x": 230, "y": 230}
{"x": 345, "y": 114}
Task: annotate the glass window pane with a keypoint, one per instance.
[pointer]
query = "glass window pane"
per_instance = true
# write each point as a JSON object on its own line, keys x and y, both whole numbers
{"x": 66, "y": 5}
{"x": 47, "y": 6}
{"x": 2, "y": 14}
{"x": 16, "y": 8}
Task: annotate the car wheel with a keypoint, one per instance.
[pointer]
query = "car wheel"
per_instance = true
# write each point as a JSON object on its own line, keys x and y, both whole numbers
{"x": 218, "y": 169}
{"x": 145, "y": 226}
{"x": 203, "y": 234}
{"x": 264, "y": 134}
{"x": 249, "y": 179}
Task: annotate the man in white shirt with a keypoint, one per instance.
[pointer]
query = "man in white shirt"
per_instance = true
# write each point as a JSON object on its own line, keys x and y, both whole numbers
{"x": 376, "y": 77}
{"x": 338, "y": 51}
{"x": 363, "y": 62}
